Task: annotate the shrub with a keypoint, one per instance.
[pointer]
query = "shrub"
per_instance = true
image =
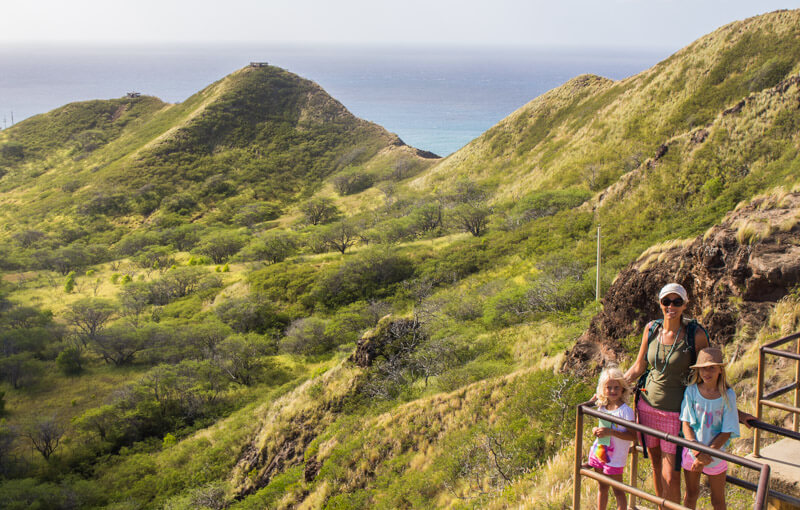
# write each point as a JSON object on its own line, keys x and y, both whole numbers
{"x": 559, "y": 287}
{"x": 472, "y": 218}
{"x": 286, "y": 282}
{"x": 308, "y": 337}
{"x": 221, "y": 245}
{"x": 368, "y": 275}
{"x": 12, "y": 151}
{"x": 109, "y": 204}
{"x": 119, "y": 344}
{"x": 69, "y": 283}
{"x": 252, "y": 214}
{"x": 349, "y": 183}
{"x": 250, "y": 314}
{"x": 241, "y": 357}
{"x": 20, "y": 369}
{"x": 155, "y": 257}
{"x": 319, "y": 210}
{"x": 180, "y": 203}
{"x": 272, "y": 247}
{"x": 70, "y": 361}
{"x": 176, "y": 283}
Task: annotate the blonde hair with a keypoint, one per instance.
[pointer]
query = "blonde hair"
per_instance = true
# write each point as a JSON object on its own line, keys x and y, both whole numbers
{"x": 722, "y": 382}
{"x": 612, "y": 373}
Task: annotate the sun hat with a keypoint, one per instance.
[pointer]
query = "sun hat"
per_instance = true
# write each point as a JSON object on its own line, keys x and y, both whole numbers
{"x": 673, "y": 288}
{"x": 709, "y": 357}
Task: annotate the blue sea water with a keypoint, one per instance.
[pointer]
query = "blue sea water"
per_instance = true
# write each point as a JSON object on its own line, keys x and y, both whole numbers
{"x": 436, "y": 99}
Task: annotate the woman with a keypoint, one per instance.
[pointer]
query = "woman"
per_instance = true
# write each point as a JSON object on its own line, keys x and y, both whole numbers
{"x": 667, "y": 349}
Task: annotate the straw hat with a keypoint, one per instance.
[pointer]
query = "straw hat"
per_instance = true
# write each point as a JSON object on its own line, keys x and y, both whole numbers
{"x": 709, "y": 357}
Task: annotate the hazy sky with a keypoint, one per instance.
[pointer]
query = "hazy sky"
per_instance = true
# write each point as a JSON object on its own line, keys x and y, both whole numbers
{"x": 637, "y": 23}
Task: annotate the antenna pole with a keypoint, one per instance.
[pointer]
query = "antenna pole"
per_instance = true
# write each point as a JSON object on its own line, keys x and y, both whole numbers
{"x": 597, "y": 281}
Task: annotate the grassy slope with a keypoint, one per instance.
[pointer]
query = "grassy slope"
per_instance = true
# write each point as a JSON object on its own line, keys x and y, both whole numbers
{"x": 592, "y": 124}
{"x": 268, "y": 132}
{"x": 402, "y": 453}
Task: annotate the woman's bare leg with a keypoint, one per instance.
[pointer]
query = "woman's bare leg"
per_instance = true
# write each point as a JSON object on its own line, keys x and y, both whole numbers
{"x": 672, "y": 478}
{"x": 655, "y": 460}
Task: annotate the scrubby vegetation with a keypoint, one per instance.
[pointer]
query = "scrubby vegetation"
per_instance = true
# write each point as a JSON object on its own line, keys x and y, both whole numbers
{"x": 185, "y": 287}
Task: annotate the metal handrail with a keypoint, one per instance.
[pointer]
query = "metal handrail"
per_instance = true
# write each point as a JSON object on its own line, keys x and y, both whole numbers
{"x": 767, "y": 400}
{"x": 762, "y": 489}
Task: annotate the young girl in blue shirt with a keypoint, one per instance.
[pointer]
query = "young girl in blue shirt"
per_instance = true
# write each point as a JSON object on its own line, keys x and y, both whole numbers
{"x": 709, "y": 416}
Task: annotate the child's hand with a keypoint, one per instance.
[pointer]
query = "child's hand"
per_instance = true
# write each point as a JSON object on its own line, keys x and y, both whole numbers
{"x": 602, "y": 431}
{"x": 697, "y": 466}
{"x": 704, "y": 459}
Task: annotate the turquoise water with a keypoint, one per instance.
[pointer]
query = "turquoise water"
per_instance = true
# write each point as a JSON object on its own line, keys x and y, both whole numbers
{"x": 436, "y": 99}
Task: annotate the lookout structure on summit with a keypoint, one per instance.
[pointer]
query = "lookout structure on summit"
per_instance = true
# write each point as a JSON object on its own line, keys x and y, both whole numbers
{"x": 259, "y": 64}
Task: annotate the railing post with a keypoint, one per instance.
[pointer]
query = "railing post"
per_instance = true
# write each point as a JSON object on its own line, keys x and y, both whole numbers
{"x": 762, "y": 492}
{"x": 759, "y": 395}
{"x": 797, "y": 388}
{"x": 634, "y": 473}
{"x": 576, "y": 493}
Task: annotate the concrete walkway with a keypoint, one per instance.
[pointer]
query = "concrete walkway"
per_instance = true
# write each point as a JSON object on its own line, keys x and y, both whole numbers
{"x": 783, "y": 458}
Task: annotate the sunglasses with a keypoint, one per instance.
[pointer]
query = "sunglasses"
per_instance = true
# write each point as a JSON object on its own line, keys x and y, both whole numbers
{"x": 678, "y": 301}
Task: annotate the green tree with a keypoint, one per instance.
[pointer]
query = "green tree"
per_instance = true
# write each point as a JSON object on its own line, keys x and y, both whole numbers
{"x": 341, "y": 235}
{"x": 89, "y": 316}
{"x": 319, "y": 210}
{"x": 241, "y": 357}
{"x": 221, "y": 245}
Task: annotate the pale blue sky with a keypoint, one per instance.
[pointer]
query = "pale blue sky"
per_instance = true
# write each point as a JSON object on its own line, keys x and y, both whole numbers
{"x": 629, "y": 23}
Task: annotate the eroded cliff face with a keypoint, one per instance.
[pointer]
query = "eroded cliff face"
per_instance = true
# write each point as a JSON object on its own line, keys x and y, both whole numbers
{"x": 734, "y": 274}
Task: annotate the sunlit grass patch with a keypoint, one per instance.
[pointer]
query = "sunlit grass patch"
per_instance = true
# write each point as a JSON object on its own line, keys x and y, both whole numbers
{"x": 752, "y": 231}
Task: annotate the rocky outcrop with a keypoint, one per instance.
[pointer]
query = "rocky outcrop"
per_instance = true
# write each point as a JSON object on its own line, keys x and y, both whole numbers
{"x": 390, "y": 337}
{"x": 734, "y": 274}
{"x": 289, "y": 425}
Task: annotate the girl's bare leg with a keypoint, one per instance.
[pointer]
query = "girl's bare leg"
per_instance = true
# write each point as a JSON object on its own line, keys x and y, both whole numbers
{"x": 621, "y": 495}
{"x": 692, "y": 488}
{"x": 717, "y": 485}
{"x": 602, "y": 493}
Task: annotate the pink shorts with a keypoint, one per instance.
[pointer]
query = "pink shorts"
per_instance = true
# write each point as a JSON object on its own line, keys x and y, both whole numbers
{"x": 665, "y": 421}
{"x": 602, "y": 466}
{"x": 715, "y": 468}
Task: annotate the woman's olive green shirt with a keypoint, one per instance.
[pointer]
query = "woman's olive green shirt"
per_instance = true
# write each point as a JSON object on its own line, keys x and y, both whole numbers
{"x": 664, "y": 390}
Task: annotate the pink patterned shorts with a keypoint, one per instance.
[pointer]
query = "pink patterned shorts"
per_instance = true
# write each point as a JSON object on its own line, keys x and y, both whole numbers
{"x": 715, "y": 468}
{"x": 602, "y": 466}
{"x": 665, "y": 421}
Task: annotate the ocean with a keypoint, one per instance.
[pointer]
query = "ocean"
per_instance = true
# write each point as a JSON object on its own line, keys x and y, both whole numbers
{"x": 436, "y": 99}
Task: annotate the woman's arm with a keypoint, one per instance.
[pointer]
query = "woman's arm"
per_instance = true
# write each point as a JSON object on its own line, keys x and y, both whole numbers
{"x": 746, "y": 418}
{"x": 639, "y": 366}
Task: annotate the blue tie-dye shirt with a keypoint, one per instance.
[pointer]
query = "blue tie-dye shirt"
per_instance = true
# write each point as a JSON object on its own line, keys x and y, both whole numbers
{"x": 710, "y": 417}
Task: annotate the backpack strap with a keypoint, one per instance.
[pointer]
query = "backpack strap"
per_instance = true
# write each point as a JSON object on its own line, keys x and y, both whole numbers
{"x": 691, "y": 330}
{"x": 653, "y": 331}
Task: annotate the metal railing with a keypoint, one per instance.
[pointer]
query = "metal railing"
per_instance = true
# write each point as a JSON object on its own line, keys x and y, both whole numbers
{"x": 761, "y": 489}
{"x": 767, "y": 400}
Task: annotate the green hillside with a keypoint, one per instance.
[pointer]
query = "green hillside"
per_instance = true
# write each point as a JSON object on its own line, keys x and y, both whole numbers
{"x": 253, "y": 299}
